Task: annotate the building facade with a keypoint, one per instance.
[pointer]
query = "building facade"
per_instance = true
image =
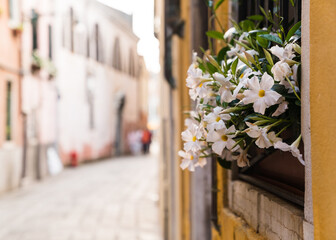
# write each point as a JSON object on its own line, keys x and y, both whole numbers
{"x": 72, "y": 83}
{"x": 11, "y": 131}
{"x": 214, "y": 203}
{"x": 99, "y": 80}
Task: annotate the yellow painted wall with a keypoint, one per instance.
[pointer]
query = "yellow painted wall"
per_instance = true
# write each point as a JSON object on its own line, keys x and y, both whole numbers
{"x": 185, "y": 58}
{"x": 323, "y": 116}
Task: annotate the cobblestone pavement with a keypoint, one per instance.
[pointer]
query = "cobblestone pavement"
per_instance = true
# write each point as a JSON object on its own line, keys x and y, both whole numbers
{"x": 114, "y": 199}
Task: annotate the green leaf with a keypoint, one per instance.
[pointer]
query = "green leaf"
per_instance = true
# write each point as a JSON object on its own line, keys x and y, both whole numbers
{"x": 217, "y": 5}
{"x": 272, "y": 38}
{"x": 236, "y": 25}
{"x": 292, "y": 31}
{"x": 234, "y": 66}
{"x": 247, "y": 25}
{"x": 292, "y": 2}
{"x": 222, "y": 53}
{"x": 267, "y": 15}
{"x": 268, "y": 57}
{"x": 215, "y": 34}
{"x": 225, "y": 164}
{"x": 256, "y": 17}
{"x": 257, "y": 31}
{"x": 242, "y": 44}
{"x": 262, "y": 42}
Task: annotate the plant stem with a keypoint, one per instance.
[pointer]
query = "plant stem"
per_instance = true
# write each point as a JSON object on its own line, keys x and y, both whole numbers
{"x": 297, "y": 96}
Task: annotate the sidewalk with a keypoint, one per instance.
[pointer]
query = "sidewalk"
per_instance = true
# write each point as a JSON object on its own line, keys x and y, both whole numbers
{"x": 114, "y": 199}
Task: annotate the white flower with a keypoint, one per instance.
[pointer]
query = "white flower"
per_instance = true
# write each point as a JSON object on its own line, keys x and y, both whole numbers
{"x": 293, "y": 148}
{"x": 294, "y": 82}
{"x": 284, "y": 54}
{"x": 191, "y": 137}
{"x": 227, "y": 155}
{"x": 261, "y": 94}
{"x": 273, "y": 138}
{"x": 252, "y": 52}
{"x": 202, "y": 90}
{"x": 188, "y": 160}
{"x": 242, "y": 160}
{"x": 225, "y": 89}
{"x": 233, "y": 51}
{"x": 214, "y": 119}
{"x": 243, "y": 80}
{"x": 283, "y": 106}
{"x": 222, "y": 139}
{"x": 194, "y": 76}
{"x": 229, "y": 34}
{"x": 260, "y": 134}
{"x": 281, "y": 70}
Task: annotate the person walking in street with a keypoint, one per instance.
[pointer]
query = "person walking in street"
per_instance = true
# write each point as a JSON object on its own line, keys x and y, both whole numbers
{"x": 146, "y": 140}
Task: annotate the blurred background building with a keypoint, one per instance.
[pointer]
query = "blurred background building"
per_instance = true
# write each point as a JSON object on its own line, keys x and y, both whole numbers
{"x": 74, "y": 83}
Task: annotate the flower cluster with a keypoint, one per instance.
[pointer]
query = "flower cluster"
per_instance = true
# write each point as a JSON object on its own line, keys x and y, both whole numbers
{"x": 246, "y": 95}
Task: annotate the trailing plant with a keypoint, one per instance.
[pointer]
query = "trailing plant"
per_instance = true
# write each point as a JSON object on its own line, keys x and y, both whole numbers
{"x": 246, "y": 95}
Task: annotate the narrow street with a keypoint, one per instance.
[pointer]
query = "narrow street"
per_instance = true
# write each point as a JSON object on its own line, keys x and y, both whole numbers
{"x": 113, "y": 199}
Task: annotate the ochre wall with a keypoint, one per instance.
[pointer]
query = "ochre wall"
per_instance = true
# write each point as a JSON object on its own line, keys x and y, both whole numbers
{"x": 323, "y": 115}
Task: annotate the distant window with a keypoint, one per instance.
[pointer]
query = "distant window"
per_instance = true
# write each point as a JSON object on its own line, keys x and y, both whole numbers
{"x": 99, "y": 53}
{"x": 9, "y": 111}
{"x": 50, "y": 35}
{"x": 88, "y": 47}
{"x": 131, "y": 66}
{"x": 34, "y": 22}
{"x": 116, "y": 60}
{"x": 14, "y": 13}
{"x": 11, "y": 9}
{"x": 72, "y": 22}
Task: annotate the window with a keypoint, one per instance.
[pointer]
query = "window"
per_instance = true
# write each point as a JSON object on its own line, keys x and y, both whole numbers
{"x": 9, "y": 111}
{"x": 13, "y": 13}
{"x": 116, "y": 59}
{"x": 275, "y": 171}
{"x": 34, "y": 22}
{"x": 131, "y": 66}
{"x": 50, "y": 35}
{"x": 72, "y": 30}
{"x": 98, "y": 48}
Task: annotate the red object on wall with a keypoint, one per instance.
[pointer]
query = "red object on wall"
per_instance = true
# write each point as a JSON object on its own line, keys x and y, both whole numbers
{"x": 73, "y": 159}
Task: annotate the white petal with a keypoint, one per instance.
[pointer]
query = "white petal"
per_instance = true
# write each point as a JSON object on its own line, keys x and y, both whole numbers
{"x": 266, "y": 82}
{"x": 225, "y": 117}
{"x": 263, "y": 141}
{"x": 187, "y": 135}
{"x": 219, "y": 77}
{"x": 277, "y": 51}
{"x": 185, "y": 163}
{"x": 253, "y": 83}
{"x": 230, "y": 143}
{"x": 227, "y": 96}
{"x": 250, "y": 96}
{"x": 182, "y": 154}
{"x": 282, "y": 146}
{"x": 253, "y": 133}
{"x": 217, "y": 110}
{"x": 231, "y": 129}
{"x": 213, "y": 136}
{"x": 271, "y": 97}
{"x": 259, "y": 106}
{"x": 218, "y": 147}
{"x": 281, "y": 109}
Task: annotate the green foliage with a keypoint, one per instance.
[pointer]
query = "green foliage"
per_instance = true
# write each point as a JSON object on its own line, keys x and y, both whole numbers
{"x": 292, "y": 31}
{"x": 215, "y": 34}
